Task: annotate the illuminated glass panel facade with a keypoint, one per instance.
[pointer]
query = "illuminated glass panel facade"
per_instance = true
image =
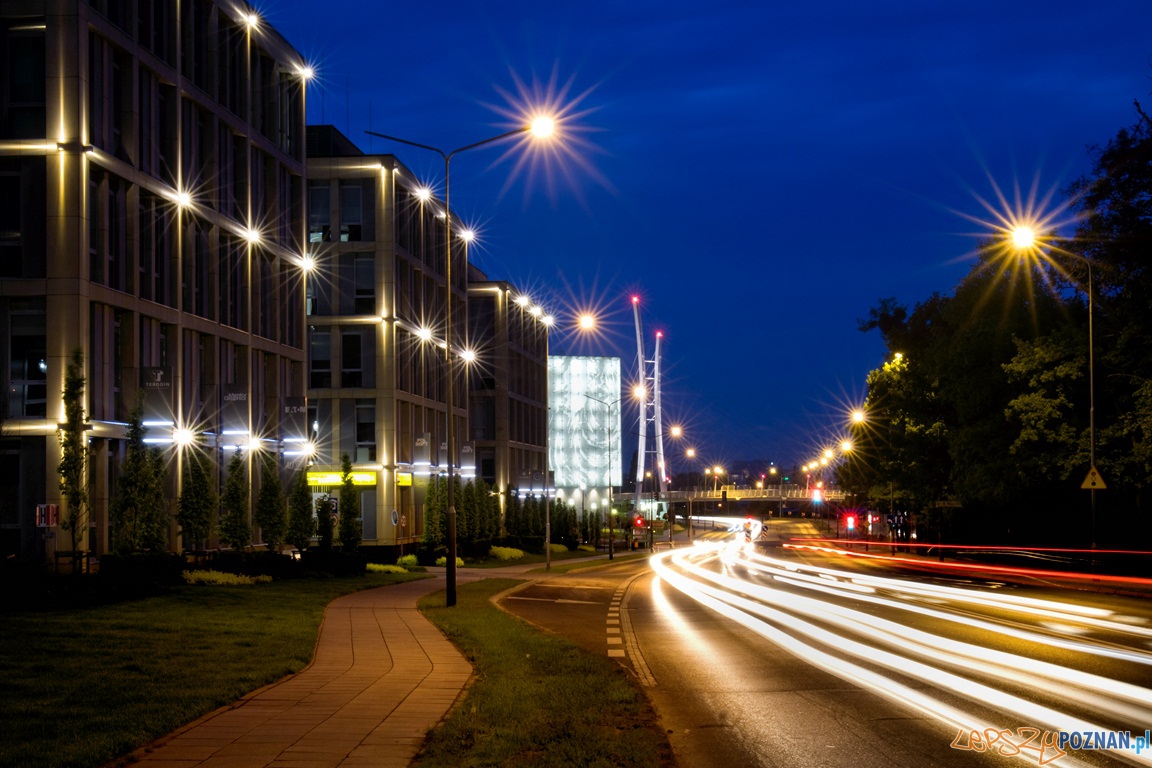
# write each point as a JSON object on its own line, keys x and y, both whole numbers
{"x": 584, "y": 440}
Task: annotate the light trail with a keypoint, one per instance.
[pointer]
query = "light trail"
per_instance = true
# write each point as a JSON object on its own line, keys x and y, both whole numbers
{"x": 830, "y": 618}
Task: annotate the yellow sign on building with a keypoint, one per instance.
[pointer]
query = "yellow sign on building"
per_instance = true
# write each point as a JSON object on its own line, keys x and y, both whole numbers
{"x": 336, "y": 478}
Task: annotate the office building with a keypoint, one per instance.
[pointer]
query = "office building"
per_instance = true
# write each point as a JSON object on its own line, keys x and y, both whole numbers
{"x": 152, "y": 178}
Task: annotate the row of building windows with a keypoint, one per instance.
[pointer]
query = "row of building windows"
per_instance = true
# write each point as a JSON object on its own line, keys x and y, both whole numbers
{"x": 220, "y": 56}
{"x": 138, "y": 117}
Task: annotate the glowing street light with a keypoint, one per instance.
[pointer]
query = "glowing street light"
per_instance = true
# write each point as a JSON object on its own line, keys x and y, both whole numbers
{"x": 1026, "y": 243}
{"x": 537, "y": 127}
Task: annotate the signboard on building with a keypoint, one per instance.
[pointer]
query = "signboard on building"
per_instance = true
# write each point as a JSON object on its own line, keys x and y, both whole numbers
{"x": 156, "y": 384}
{"x": 234, "y": 408}
{"x": 337, "y": 478}
{"x": 294, "y": 418}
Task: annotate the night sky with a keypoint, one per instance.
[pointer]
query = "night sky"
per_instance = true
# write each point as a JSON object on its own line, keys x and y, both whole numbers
{"x": 759, "y": 173}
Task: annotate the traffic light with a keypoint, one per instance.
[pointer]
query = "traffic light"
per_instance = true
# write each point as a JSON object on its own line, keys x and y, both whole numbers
{"x": 850, "y": 522}
{"x": 723, "y": 495}
{"x": 638, "y": 522}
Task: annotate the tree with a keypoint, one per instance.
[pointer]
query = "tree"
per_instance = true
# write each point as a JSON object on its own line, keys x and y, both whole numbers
{"x": 324, "y": 523}
{"x": 1114, "y": 203}
{"x": 434, "y": 522}
{"x": 351, "y": 531}
{"x": 301, "y": 520}
{"x": 138, "y": 508}
{"x": 73, "y": 467}
{"x": 235, "y": 528}
{"x": 196, "y": 509}
{"x": 270, "y": 514}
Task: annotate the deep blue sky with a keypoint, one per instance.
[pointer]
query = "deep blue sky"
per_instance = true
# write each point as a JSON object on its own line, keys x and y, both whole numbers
{"x": 760, "y": 173}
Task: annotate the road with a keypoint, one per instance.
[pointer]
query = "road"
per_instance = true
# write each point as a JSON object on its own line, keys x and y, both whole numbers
{"x": 782, "y": 657}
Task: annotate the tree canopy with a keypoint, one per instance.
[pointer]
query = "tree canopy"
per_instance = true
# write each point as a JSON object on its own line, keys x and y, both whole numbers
{"x": 985, "y": 396}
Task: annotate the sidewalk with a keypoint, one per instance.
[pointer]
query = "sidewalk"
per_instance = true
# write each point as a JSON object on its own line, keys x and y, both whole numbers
{"x": 382, "y": 676}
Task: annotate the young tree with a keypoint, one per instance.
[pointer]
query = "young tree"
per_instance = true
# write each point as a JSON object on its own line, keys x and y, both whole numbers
{"x": 324, "y": 523}
{"x": 301, "y": 520}
{"x": 351, "y": 532}
{"x": 235, "y": 529}
{"x": 514, "y": 517}
{"x": 197, "y": 506}
{"x": 73, "y": 467}
{"x": 270, "y": 514}
{"x": 434, "y": 522}
{"x": 138, "y": 508}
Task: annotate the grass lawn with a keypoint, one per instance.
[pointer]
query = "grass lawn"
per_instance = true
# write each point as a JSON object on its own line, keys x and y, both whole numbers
{"x": 82, "y": 687}
{"x": 529, "y": 558}
{"x": 617, "y": 558}
{"x": 538, "y": 699}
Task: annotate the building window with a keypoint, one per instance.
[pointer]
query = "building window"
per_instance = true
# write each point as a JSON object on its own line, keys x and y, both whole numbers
{"x": 365, "y": 277}
{"x": 365, "y": 431}
{"x": 486, "y": 465}
{"x": 27, "y": 366}
{"x": 351, "y": 213}
{"x": 23, "y": 90}
{"x": 319, "y": 213}
{"x": 352, "y": 359}
{"x": 320, "y": 363}
{"x": 11, "y": 227}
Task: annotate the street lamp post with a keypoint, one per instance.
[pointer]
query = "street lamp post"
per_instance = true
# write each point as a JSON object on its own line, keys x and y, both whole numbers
{"x": 540, "y": 127}
{"x": 608, "y": 425}
{"x": 1024, "y": 240}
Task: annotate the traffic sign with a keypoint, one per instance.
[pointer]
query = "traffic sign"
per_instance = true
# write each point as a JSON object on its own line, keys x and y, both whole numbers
{"x": 395, "y": 517}
{"x": 1093, "y": 481}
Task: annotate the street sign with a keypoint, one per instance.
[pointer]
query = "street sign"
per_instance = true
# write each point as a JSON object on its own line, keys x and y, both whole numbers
{"x": 1093, "y": 481}
{"x": 395, "y": 517}
{"x": 950, "y": 504}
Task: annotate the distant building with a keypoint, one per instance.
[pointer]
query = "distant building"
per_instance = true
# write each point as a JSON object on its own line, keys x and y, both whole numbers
{"x": 376, "y": 332}
{"x": 152, "y": 179}
{"x": 508, "y": 386}
{"x": 584, "y": 439}
{"x": 375, "y": 325}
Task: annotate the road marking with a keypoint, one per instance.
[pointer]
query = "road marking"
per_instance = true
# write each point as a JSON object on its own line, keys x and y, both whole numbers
{"x": 632, "y": 646}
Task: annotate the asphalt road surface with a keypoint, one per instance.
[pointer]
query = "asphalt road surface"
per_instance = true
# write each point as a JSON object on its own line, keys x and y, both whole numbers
{"x": 779, "y": 657}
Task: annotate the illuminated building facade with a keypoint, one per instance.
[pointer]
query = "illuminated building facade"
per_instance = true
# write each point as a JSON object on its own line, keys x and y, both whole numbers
{"x": 584, "y": 439}
{"x": 153, "y": 211}
{"x": 508, "y": 386}
{"x": 376, "y": 388}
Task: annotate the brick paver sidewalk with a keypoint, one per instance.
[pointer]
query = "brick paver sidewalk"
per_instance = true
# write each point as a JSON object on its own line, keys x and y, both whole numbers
{"x": 382, "y": 676}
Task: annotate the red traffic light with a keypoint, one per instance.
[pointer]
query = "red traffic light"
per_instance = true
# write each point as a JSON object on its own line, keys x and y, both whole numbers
{"x": 638, "y": 522}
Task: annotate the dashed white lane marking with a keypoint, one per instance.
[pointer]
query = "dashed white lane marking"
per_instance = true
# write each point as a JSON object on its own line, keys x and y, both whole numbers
{"x": 618, "y": 631}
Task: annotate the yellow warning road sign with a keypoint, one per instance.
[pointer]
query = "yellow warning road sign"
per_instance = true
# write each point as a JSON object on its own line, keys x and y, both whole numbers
{"x": 1093, "y": 481}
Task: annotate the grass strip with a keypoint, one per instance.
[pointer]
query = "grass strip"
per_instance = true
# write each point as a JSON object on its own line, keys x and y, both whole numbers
{"x": 538, "y": 699}
{"x": 602, "y": 562}
{"x": 528, "y": 559}
{"x": 83, "y": 687}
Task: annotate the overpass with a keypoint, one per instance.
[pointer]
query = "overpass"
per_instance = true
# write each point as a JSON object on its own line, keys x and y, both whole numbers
{"x": 735, "y": 493}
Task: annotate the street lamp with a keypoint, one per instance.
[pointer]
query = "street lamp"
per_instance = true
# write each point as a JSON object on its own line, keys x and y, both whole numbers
{"x": 608, "y": 480}
{"x": 540, "y": 127}
{"x": 1024, "y": 241}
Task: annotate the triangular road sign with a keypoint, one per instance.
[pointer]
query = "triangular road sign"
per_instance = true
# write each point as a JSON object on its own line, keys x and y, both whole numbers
{"x": 1093, "y": 481}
